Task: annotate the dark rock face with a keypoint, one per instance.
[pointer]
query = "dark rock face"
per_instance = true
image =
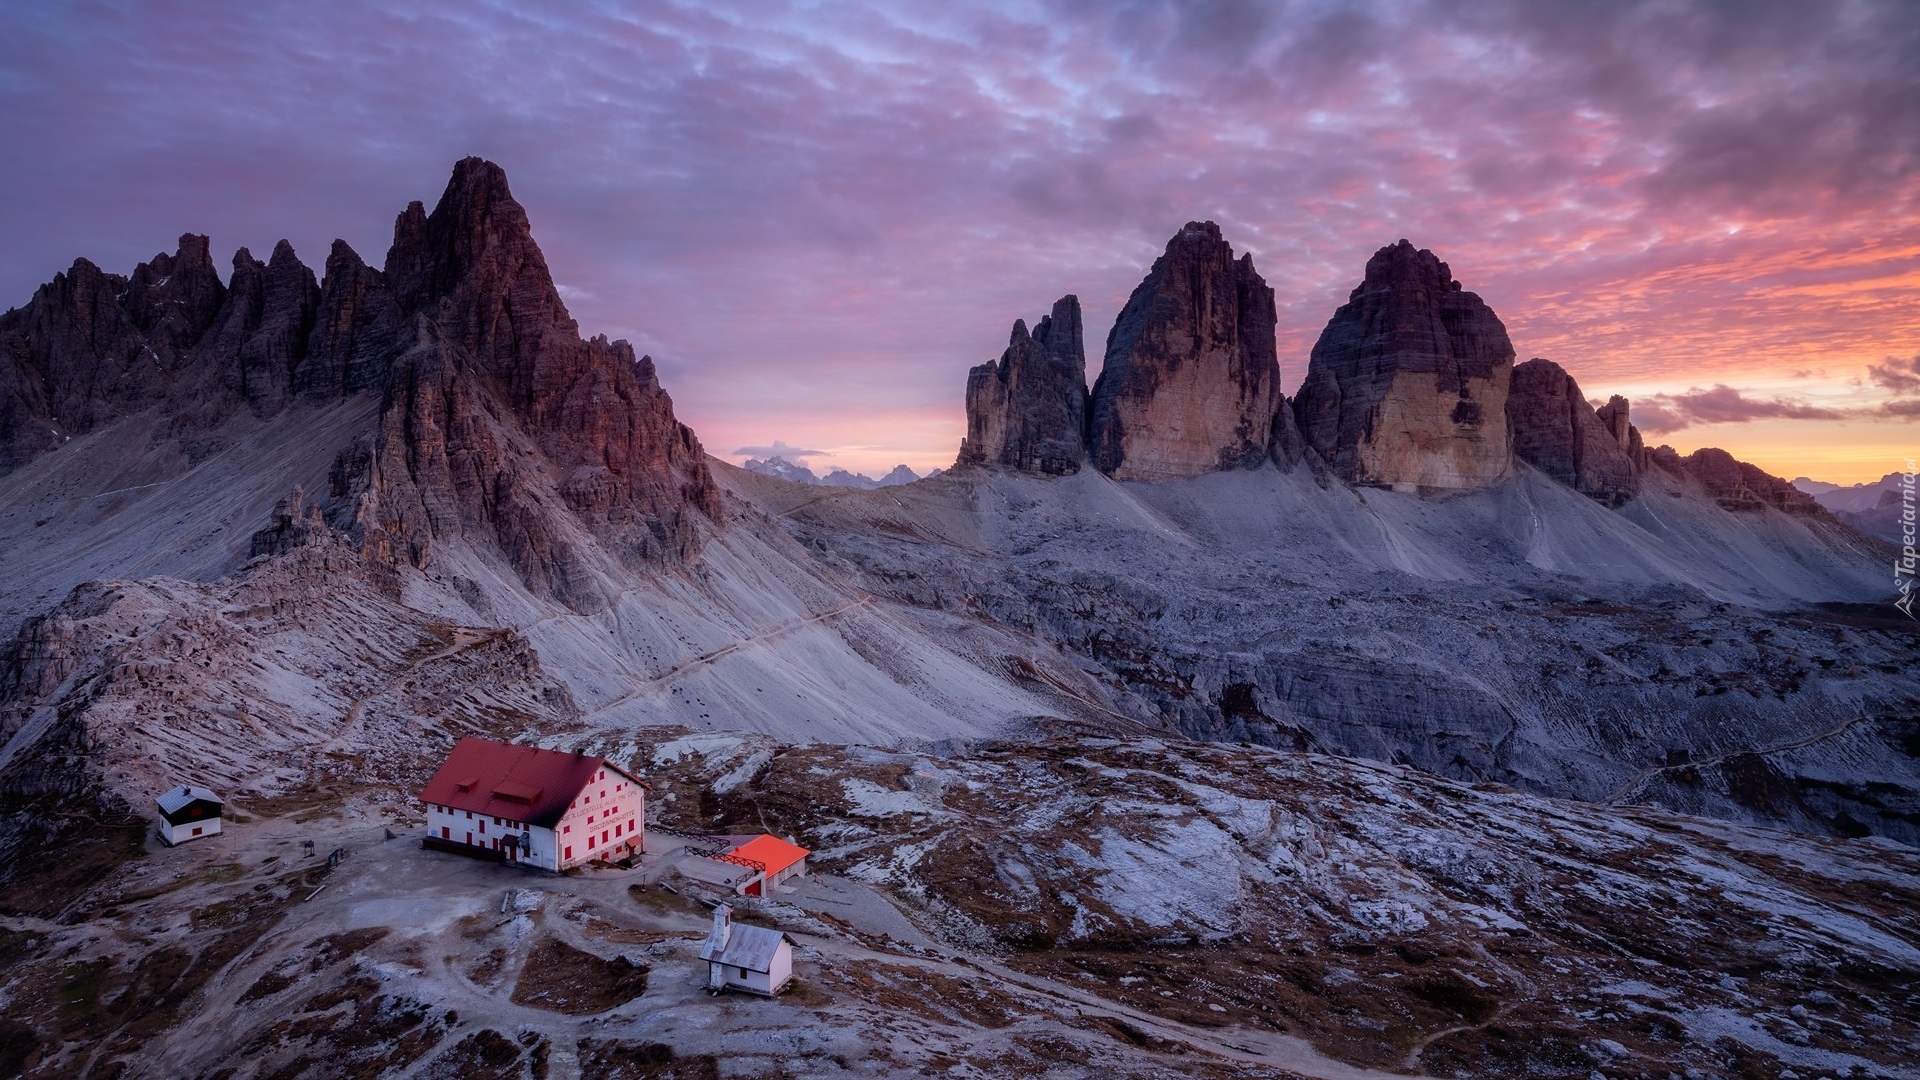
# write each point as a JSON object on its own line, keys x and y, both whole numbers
{"x": 356, "y": 332}
{"x": 500, "y": 423}
{"x": 1736, "y": 485}
{"x": 1191, "y": 381}
{"x": 1029, "y": 410}
{"x": 259, "y": 336}
{"x": 1407, "y": 386}
{"x": 448, "y": 459}
{"x": 1557, "y": 432}
{"x": 91, "y": 347}
{"x": 1614, "y": 416}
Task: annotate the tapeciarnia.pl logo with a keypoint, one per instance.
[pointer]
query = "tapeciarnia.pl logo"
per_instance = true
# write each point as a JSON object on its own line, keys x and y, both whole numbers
{"x": 1904, "y": 567}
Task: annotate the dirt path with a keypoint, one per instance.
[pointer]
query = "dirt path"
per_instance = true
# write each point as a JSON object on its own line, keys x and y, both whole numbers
{"x": 656, "y": 682}
{"x": 1647, "y": 774}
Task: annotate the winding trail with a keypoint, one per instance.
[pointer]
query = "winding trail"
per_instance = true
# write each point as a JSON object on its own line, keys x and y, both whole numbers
{"x": 653, "y": 683}
{"x": 1647, "y": 774}
{"x": 464, "y": 638}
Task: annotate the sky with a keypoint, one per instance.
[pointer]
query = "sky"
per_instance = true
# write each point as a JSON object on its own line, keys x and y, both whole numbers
{"x": 817, "y": 216}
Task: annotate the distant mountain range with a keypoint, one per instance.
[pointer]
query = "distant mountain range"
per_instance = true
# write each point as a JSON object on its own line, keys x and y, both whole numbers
{"x": 1876, "y": 508}
{"x": 782, "y": 469}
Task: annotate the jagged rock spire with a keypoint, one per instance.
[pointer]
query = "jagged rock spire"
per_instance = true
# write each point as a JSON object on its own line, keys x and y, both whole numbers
{"x": 1557, "y": 432}
{"x": 1029, "y": 410}
{"x": 476, "y": 362}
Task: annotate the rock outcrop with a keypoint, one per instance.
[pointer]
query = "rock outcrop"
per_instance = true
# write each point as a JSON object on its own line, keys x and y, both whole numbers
{"x": 1029, "y": 410}
{"x": 1614, "y": 416}
{"x": 1556, "y": 431}
{"x": 1191, "y": 382}
{"x": 1736, "y": 485}
{"x": 1407, "y": 386}
{"x": 259, "y": 336}
{"x": 489, "y": 324}
{"x": 91, "y": 347}
{"x": 500, "y": 423}
{"x": 356, "y": 333}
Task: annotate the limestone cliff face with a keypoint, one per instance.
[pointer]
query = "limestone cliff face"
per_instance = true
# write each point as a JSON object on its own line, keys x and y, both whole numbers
{"x": 1407, "y": 386}
{"x": 1191, "y": 383}
{"x": 259, "y": 336}
{"x": 1029, "y": 410}
{"x": 1557, "y": 432}
{"x": 500, "y": 424}
{"x": 91, "y": 347}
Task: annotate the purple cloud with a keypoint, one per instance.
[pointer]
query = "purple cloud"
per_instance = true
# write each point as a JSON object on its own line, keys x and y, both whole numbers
{"x": 1899, "y": 376}
{"x": 1660, "y": 414}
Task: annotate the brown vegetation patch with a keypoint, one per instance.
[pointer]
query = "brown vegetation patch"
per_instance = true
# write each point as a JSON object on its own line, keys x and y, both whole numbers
{"x": 80, "y": 858}
{"x": 606, "y": 930}
{"x": 487, "y": 969}
{"x": 325, "y": 953}
{"x": 1376, "y": 1011}
{"x": 483, "y": 1055}
{"x": 900, "y": 988}
{"x": 611, "y": 1059}
{"x": 561, "y": 978}
{"x": 657, "y": 899}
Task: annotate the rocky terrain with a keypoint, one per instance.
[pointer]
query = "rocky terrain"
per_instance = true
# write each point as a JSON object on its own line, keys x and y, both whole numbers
{"x": 1672, "y": 650}
{"x": 1557, "y": 432}
{"x": 1177, "y": 765}
{"x": 1029, "y": 411}
{"x": 1042, "y": 908}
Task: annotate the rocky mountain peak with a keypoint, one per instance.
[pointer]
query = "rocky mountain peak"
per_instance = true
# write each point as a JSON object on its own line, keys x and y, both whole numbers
{"x": 1191, "y": 380}
{"x": 1028, "y": 411}
{"x": 1737, "y": 485}
{"x": 174, "y": 298}
{"x": 1556, "y": 431}
{"x": 1407, "y": 385}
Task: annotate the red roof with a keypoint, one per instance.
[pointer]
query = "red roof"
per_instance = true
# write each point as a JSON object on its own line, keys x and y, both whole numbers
{"x": 519, "y": 783}
{"x": 771, "y": 852}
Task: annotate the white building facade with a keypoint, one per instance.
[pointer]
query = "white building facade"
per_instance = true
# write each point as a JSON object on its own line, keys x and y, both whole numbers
{"x": 750, "y": 958}
{"x": 188, "y": 813}
{"x": 546, "y": 808}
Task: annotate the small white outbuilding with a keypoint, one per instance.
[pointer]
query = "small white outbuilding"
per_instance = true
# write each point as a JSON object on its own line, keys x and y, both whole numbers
{"x": 750, "y": 958}
{"x": 188, "y": 813}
